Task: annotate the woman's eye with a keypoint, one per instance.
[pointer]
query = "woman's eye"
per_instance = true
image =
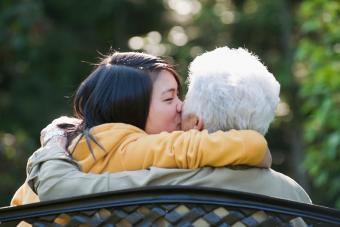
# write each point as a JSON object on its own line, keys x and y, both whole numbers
{"x": 168, "y": 100}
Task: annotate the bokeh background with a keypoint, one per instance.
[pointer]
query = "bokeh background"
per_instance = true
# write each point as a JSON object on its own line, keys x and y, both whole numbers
{"x": 47, "y": 47}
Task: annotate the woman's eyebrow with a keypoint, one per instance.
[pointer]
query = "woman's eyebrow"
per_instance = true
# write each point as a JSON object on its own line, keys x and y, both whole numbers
{"x": 169, "y": 90}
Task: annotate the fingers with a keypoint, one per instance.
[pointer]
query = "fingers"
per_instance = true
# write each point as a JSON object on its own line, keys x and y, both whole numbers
{"x": 66, "y": 120}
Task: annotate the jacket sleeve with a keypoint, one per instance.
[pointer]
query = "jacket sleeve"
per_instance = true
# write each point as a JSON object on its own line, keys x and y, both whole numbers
{"x": 52, "y": 174}
{"x": 194, "y": 149}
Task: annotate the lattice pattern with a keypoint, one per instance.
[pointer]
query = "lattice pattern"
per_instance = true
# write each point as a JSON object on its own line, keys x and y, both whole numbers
{"x": 172, "y": 215}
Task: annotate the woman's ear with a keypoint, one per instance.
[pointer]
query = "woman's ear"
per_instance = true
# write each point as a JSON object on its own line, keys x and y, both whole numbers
{"x": 199, "y": 124}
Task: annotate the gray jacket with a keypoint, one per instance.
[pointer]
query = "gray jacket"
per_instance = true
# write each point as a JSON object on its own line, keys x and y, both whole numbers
{"x": 53, "y": 175}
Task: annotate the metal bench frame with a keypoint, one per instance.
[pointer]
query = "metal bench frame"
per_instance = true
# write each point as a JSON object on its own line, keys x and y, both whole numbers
{"x": 162, "y": 195}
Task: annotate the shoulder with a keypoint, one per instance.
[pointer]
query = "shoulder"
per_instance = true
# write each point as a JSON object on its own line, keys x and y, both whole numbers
{"x": 257, "y": 180}
{"x": 290, "y": 185}
{"x": 113, "y": 127}
{"x": 283, "y": 178}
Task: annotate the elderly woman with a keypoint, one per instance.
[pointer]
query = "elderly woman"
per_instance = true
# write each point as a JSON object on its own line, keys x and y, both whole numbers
{"x": 124, "y": 105}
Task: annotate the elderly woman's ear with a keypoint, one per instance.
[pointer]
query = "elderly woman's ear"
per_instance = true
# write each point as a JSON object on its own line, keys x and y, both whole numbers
{"x": 192, "y": 121}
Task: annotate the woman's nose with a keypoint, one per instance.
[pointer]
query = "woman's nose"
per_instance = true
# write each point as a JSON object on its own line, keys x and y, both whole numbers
{"x": 179, "y": 106}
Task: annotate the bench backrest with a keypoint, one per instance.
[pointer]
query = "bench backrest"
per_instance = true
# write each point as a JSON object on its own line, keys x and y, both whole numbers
{"x": 171, "y": 206}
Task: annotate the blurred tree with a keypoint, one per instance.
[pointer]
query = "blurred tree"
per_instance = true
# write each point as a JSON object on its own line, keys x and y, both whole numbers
{"x": 264, "y": 27}
{"x": 317, "y": 68}
{"x": 19, "y": 36}
{"x": 43, "y": 46}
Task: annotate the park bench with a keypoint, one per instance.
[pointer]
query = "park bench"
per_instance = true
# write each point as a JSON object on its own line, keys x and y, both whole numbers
{"x": 171, "y": 206}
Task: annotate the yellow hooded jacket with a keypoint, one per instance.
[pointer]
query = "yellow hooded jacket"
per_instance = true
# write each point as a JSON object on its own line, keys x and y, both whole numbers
{"x": 129, "y": 148}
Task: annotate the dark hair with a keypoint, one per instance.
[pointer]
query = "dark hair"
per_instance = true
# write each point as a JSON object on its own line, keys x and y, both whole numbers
{"x": 114, "y": 93}
{"x": 118, "y": 90}
{"x": 145, "y": 62}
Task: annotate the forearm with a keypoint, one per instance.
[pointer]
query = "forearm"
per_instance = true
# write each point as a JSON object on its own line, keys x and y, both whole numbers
{"x": 53, "y": 175}
{"x": 194, "y": 149}
{"x": 59, "y": 179}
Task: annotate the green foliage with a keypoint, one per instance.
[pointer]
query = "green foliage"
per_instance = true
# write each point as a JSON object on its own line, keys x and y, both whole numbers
{"x": 318, "y": 60}
{"x": 13, "y": 149}
{"x": 45, "y": 47}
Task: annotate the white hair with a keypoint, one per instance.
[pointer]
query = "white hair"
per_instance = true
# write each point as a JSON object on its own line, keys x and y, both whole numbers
{"x": 231, "y": 89}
